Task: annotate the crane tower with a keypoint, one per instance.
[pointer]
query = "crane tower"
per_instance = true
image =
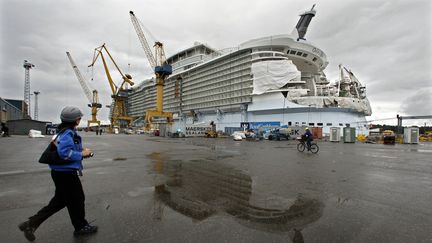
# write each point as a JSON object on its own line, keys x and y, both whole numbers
{"x": 36, "y": 109}
{"x": 161, "y": 70}
{"x": 26, "y": 109}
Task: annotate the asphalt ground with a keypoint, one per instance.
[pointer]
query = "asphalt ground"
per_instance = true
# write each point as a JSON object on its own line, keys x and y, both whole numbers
{"x": 151, "y": 189}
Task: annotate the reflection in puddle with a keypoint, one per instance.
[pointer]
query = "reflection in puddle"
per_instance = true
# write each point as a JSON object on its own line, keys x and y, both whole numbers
{"x": 420, "y": 150}
{"x": 201, "y": 188}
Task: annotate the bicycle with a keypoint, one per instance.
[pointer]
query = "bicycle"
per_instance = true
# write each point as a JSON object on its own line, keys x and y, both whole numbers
{"x": 314, "y": 148}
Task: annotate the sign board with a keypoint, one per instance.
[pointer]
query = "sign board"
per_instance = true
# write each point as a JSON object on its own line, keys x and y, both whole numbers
{"x": 196, "y": 130}
{"x": 159, "y": 119}
{"x": 51, "y": 130}
{"x": 296, "y": 131}
{"x": 256, "y": 125}
{"x": 245, "y": 125}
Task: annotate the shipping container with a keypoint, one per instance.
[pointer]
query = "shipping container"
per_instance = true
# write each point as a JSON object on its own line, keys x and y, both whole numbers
{"x": 317, "y": 132}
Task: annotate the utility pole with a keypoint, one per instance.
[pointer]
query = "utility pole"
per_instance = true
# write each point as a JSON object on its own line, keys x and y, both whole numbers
{"x": 36, "y": 109}
{"x": 26, "y": 109}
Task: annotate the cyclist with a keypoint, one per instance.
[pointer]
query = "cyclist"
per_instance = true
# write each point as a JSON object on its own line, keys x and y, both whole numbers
{"x": 308, "y": 137}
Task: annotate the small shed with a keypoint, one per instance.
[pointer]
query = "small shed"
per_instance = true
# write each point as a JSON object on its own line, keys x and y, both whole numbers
{"x": 349, "y": 135}
{"x": 335, "y": 134}
{"x": 411, "y": 135}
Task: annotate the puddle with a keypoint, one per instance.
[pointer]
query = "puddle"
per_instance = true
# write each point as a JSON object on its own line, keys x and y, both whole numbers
{"x": 139, "y": 191}
{"x": 201, "y": 188}
{"x": 422, "y": 150}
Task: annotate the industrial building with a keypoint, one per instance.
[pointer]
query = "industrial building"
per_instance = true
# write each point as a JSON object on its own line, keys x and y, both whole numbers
{"x": 23, "y": 126}
{"x": 12, "y": 112}
{"x": 11, "y": 109}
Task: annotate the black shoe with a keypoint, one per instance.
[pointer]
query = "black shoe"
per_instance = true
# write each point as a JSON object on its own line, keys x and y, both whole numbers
{"x": 28, "y": 231}
{"x": 88, "y": 229}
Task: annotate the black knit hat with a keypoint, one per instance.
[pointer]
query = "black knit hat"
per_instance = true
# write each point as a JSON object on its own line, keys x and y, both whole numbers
{"x": 70, "y": 114}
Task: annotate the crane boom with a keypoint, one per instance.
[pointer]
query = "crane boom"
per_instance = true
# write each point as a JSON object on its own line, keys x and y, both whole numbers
{"x": 126, "y": 77}
{"x": 119, "y": 117}
{"x": 80, "y": 78}
{"x": 143, "y": 40}
{"x": 92, "y": 97}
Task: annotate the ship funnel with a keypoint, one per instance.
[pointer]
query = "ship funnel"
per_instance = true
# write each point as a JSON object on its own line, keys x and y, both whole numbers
{"x": 303, "y": 23}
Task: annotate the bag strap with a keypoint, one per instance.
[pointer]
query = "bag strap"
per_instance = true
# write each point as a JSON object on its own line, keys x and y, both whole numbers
{"x": 58, "y": 134}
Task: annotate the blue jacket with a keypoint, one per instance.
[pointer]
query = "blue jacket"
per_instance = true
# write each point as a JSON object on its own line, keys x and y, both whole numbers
{"x": 308, "y": 135}
{"x": 69, "y": 147}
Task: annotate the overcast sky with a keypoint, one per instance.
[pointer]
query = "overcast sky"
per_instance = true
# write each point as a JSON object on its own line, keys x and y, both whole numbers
{"x": 387, "y": 44}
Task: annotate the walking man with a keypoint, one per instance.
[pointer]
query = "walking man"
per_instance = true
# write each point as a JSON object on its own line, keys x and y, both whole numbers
{"x": 68, "y": 189}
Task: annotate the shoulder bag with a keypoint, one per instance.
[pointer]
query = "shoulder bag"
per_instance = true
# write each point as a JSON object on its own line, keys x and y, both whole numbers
{"x": 50, "y": 155}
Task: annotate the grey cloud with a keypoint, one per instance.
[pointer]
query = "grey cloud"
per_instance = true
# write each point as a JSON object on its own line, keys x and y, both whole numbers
{"x": 385, "y": 43}
{"x": 418, "y": 104}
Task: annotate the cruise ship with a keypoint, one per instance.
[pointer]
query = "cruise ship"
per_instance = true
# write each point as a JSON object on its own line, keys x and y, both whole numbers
{"x": 270, "y": 81}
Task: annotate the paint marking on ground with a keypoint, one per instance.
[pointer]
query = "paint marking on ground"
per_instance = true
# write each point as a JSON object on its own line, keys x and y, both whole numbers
{"x": 12, "y": 172}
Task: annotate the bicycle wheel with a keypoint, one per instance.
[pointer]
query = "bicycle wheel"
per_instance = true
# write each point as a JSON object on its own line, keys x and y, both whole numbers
{"x": 301, "y": 147}
{"x": 314, "y": 148}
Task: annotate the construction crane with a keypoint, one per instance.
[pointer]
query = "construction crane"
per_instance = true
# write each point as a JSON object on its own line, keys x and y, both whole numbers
{"x": 92, "y": 97}
{"x": 162, "y": 71}
{"x": 119, "y": 117}
{"x": 26, "y": 107}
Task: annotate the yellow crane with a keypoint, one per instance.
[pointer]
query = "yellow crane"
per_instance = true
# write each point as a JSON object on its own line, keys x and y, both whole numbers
{"x": 92, "y": 96}
{"x": 162, "y": 71}
{"x": 119, "y": 117}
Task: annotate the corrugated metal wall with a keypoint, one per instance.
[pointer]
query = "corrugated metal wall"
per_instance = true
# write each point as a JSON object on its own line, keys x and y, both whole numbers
{"x": 22, "y": 127}
{"x": 9, "y": 112}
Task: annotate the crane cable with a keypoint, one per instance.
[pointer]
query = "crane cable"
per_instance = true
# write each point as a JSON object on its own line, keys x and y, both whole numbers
{"x": 128, "y": 54}
{"x": 153, "y": 39}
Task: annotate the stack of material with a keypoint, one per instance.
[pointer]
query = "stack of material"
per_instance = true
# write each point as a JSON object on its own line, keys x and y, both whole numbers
{"x": 35, "y": 134}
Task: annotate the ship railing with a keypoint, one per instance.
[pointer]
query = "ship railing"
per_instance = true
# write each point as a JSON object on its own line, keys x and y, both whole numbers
{"x": 220, "y": 53}
{"x": 228, "y": 50}
{"x": 296, "y": 82}
{"x": 268, "y": 55}
{"x": 285, "y": 90}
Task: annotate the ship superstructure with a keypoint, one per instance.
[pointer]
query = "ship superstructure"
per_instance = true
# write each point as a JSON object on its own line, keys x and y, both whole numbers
{"x": 274, "y": 79}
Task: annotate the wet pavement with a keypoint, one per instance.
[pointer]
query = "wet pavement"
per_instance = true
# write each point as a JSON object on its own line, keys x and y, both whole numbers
{"x": 151, "y": 189}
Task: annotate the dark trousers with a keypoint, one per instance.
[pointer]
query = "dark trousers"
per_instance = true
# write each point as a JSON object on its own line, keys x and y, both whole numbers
{"x": 6, "y": 131}
{"x": 68, "y": 193}
{"x": 309, "y": 143}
